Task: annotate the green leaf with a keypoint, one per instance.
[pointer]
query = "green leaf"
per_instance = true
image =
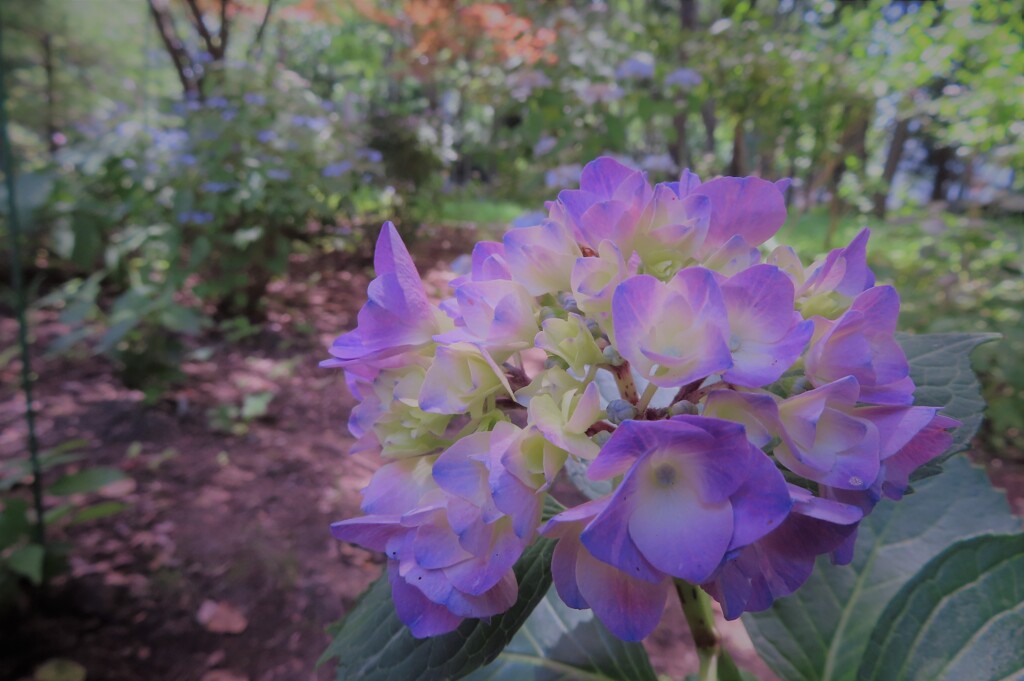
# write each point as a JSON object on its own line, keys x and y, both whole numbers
{"x": 372, "y": 644}
{"x": 820, "y": 633}
{"x": 103, "y": 509}
{"x": 27, "y": 561}
{"x": 60, "y": 670}
{"x": 940, "y": 364}
{"x": 181, "y": 319}
{"x": 961, "y": 617}
{"x": 57, "y": 513}
{"x": 116, "y": 333}
{"x": 13, "y": 522}
{"x": 558, "y": 643}
{"x": 62, "y": 453}
{"x": 255, "y": 406}
{"x": 31, "y": 191}
{"x": 89, "y": 480}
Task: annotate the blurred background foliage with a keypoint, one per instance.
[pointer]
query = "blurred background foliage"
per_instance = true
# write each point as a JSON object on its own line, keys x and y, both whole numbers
{"x": 174, "y": 154}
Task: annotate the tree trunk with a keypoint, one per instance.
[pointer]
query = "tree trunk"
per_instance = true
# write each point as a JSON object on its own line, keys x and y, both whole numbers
{"x": 190, "y": 73}
{"x": 707, "y": 114}
{"x": 941, "y": 158}
{"x": 892, "y": 162}
{"x": 767, "y": 160}
{"x": 688, "y": 14}
{"x": 791, "y": 174}
{"x": 679, "y": 150}
{"x": 257, "y": 43}
{"x": 51, "y": 94}
{"x": 183, "y": 64}
{"x": 738, "y": 165}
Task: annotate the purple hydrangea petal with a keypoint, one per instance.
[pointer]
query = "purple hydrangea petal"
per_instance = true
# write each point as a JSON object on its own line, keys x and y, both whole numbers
{"x": 766, "y": 335}
{"x": 689, "y": 182}
{"x": 423, "y": 617}
{"x": 650, "y": 316}
{"x": 861, "y": 343}
{"x": 541, "y": 257}
{"x": 896, "y": 425}
{"x": 746, "y": 206}
{"x": 480, "y": 573}
{"x": 761, "y": 504}
{"x": 563, "y": 572}
{"x": 494, "y": 601}
{"x": 631, "y": 608}
{"x": 608, "y": 539}
{"x": 757, "y": 412}
{"x": 396, "y": 488}
{"x": 779, "y": 563}
{"x": 670, "y": 525}
{"x": 604, "y": 175}
{"x": 370, "y": 531}
{"x": 928, "y": 443}
{"x": 436, "y": 547}
{"x": 398, "y": 316}
{"x": 844, "y": 271}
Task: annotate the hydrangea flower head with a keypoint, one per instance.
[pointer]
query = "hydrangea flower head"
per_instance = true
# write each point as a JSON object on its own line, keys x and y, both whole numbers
{"x": 735, "y": 412}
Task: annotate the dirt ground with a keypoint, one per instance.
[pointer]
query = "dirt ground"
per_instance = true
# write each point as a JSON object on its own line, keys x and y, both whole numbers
{"x": 222, "y": 567}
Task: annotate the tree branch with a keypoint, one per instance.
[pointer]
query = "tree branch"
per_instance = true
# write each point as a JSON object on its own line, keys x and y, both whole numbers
{"x": 175, "y": 48}
{"x": 197, "y": 21}
{"x": 257, "y": 42}
{"x": 222, "y": 35}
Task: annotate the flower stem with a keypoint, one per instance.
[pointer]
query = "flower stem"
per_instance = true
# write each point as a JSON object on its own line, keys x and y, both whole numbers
{"x": 645, "y": 399}
{"x": 624, "y": 381}
{"x": 715, "y": 663}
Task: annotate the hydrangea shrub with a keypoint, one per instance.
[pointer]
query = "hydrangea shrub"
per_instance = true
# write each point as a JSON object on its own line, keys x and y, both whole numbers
{"x": 736, "y": 412}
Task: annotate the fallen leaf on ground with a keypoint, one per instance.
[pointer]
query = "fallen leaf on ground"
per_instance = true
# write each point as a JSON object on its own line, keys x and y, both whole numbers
{"x": 211, "y": 497}
{"x": 224, "y": 675}
{"x": 118, "y": 489}
{"x": 221, "y": 618}
{"x": 60, "y": 670}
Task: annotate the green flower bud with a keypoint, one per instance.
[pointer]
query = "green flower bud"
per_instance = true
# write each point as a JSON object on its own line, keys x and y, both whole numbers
{"x": 619, "y": 411}
{"x": 612, "y": 356}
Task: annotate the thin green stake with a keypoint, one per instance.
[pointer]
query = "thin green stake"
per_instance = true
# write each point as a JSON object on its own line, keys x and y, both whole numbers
{"x": 7, "y": 167}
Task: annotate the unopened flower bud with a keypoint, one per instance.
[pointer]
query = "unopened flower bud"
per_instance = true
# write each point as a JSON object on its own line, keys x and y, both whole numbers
{"x": 600, "y": 437}
{"x": 612, "y": 356}
{"x": 547, "y": 313}
{"x": 569, "y": 303}
{"x": 619, "y": 411}
{"x": 682, "y": 407}
{"x": 552, "y": 361}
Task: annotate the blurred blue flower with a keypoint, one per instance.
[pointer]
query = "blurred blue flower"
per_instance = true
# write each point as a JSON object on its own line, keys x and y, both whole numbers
{"x": 215, "y": 187}
{"x": 166, "y": 140}
{"x": 187, "y": 160}
{"x": 254, "y": 98}
{"x": 312, "y": 122}
{"x": 684, "y": 78}
{"x": 195, "y": 217}
{"x": 638, "y": 67}
{"x": 336, "y": 169}
{"x": 229, "y": 115}
{"x": 217, "y": 102}
{"x": 371, "y": 155}
{"x": 279, "y": 174}
{"x": 266, "y": 136}
{"x": 544, "y": 145}
{"x": 529, "y": 219}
